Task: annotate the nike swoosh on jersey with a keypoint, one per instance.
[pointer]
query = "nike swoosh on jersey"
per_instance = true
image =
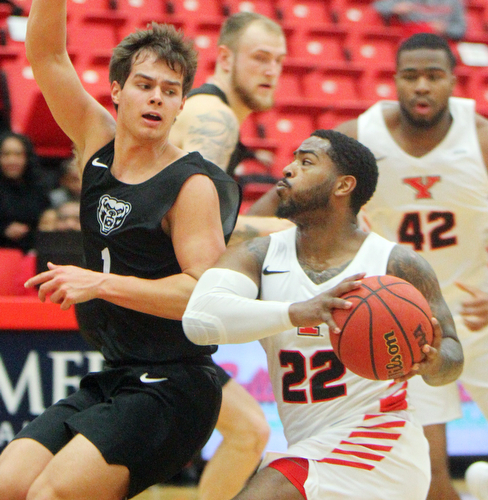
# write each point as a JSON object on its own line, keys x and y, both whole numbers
{"x": 96, "y": 163}
{"x": 380, "y": 158}
{"x": 266, "y": 271}
{"x": 148, "y": 380}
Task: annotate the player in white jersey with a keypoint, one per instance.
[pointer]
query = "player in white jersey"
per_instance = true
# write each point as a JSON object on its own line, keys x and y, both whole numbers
{"x": 349, "y": 437}
{"x": 432, "y": 196}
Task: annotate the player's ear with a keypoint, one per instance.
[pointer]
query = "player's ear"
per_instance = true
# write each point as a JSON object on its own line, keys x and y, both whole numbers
{"x": 225, "y": 57}
{"x": 115, "y": 92}
{"x": 182, "y": 104}
{"x": 345, "y": 185}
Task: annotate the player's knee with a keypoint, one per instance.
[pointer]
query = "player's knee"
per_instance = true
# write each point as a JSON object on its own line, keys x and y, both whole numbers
{"x": 261, "y": 433}
{"x": 11, "y": 491}
{"x": 12, "y": 487}
{"x": 250, "y": 432}
{"x": 42, "y": 489}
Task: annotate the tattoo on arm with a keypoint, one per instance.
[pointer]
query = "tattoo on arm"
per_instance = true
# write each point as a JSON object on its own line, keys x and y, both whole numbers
{"x": 258, "y": 248}
{"x": 242, "y": 234}
{"x": 214, "y": 136}
{"x": 411, "y": 267}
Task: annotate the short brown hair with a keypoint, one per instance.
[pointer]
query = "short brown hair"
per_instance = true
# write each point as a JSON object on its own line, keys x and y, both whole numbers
{"x": 234, "y": 26}
{"x": 162, "y": 40}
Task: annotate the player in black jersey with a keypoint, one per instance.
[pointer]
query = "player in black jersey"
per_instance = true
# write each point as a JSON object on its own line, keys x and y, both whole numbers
{"x": 251, "y": 49}
{"x": 153, "y": 219}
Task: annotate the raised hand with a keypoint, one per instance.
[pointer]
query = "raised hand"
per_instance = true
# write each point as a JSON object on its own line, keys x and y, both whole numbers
{"x": 317, "y": 310}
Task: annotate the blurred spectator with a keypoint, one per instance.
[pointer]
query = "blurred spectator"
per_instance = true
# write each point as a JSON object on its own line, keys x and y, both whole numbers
{"x": 66, "y": 217}
{"x": 21, "y": 198}
{"x": 69, "y": 184}
{"x": 443, "y": 17}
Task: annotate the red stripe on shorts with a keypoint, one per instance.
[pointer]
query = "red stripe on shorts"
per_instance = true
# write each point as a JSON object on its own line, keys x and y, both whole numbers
{"x": 377, "y": 447}
{"x": 357, "y": 465}
{"x": 375, "y": 435}
{"x": 294, "y": 469}
{"x": 359, "y": 454}
{"x": 387, "y": 425}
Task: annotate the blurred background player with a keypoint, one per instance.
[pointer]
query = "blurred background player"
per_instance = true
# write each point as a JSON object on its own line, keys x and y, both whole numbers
{"x": 432, "y": 196}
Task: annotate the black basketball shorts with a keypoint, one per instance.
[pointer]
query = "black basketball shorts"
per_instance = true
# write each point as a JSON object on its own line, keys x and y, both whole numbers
{"x": 151, "y": 419}
{"x": 223, "y": 376}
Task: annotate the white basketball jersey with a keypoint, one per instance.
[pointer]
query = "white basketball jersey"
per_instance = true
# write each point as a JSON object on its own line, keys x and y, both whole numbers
{"x": 436, "y": 204}
{"x": 313, "y": 389}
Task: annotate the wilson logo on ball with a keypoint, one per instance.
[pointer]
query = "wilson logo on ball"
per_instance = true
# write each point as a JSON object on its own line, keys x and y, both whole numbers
{"x": 395, "y": 364}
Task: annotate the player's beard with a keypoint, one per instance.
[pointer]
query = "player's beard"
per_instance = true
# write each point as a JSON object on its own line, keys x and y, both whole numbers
{"x": 315, "y": 198}
{"x": 423, "y": 123}
{"x": 247, "y": 97}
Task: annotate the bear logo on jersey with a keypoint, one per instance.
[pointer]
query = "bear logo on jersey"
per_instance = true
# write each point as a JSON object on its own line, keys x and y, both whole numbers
{"x": 112, "y": 213}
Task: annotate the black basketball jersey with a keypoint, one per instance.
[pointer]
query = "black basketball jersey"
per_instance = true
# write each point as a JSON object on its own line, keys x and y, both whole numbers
{"x": 121, "y": 225}
{"x": 240, "y": 152}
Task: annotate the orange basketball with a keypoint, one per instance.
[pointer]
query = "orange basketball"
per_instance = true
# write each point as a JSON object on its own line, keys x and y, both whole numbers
{"x": 383, "y": 332}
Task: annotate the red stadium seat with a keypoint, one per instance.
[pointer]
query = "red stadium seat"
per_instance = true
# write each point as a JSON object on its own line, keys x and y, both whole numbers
{"x": 379, "y": 84}
{"x": 374, "y": 49}
{"x": 332, "y": 85}
{"x": 359, "y": 13}
{"x": 265, "y": 7}
{"x": 15, "y": 269}
{"x": 307, "y": 12}
{"x": 290, "y": 86}
{"x": 317, "y": 46}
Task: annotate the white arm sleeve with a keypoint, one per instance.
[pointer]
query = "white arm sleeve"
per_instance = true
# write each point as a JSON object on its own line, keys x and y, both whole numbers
{"x": 223, "y": 310}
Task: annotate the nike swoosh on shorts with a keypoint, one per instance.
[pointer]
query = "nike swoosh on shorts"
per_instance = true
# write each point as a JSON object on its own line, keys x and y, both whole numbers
{"x": 148, "y": 380}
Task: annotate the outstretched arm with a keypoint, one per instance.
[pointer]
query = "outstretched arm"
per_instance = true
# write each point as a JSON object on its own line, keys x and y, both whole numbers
{"x": 86, "y": 122}
{"x": 444, "y": 358}
{"x": 224, "y": 309}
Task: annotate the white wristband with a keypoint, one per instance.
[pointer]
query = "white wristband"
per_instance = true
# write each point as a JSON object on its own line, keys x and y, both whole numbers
{"x": 223, "y": 309}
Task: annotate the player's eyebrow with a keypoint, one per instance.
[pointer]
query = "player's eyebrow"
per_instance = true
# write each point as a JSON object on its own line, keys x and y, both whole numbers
{"x": 176, "y": 83}
{"x": 428, "y": 68}
{"x": 305, "y": 151}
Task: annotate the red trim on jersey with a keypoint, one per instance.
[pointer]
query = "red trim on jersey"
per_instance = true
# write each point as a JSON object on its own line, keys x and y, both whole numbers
{"x": 387, "y": 425}
{"x": 356, "y": 465}
{"x": 294, "y": 469}
{"x": 376, "y": 435}
{"x": 360, "y": 454}
{"x": 377, "y": 447}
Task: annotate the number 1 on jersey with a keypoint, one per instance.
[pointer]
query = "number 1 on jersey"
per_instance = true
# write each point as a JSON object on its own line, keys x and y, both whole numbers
{"x": 106, "y": 260}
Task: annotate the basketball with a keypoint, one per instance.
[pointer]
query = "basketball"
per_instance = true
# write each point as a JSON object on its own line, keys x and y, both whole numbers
{"x": 383, "y": 332}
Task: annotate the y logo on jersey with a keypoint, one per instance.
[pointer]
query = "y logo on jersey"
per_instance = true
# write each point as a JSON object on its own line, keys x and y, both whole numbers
{"x": 111, "y": 213}
{"x": 422, "y": 185}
